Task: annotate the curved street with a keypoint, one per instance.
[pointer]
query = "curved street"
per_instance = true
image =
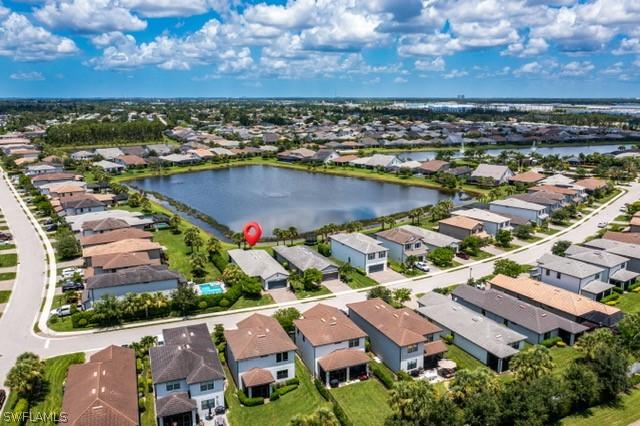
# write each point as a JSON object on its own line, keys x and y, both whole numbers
{"x": 22, "y": 312}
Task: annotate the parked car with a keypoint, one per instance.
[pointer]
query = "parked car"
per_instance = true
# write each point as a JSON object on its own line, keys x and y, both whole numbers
{"x": 423, "y": 266}
{"x": 70, "y": 272}
{"x": 72, "y": 286}
{"x": 3, "y": 396}
{"x": 51, "y": 228}
{"x": 462, "y": 255}
{"x": 62, "y": 311}
{"x": 602, "y": 225}
{"x": 5, "y": 236}
{"x": 219, "y": 409}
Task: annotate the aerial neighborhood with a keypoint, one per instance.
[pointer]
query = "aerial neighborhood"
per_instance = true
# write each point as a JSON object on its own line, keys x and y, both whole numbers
{"x": 460, "y": 264}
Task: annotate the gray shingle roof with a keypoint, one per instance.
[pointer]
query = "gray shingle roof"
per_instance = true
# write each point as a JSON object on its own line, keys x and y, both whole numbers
{"x": 188, "y": 353}
{"x": 598, "y": 257}
{"x": 257, "y": 263}
{"x": 360, "y": 242}
{"x": 483, "y": 332}
{"x": 597, "y": 287}
{"x": 516, "y": 311}
{"x": 568, "y": 266}
{"x": 139, "y": 274}
{"x": 493, "y": 171}
{"x": 304, "y": 258}
{"x": 431, "y": 237}
{"x": 631, "y": 251}
{"x": 481, "y": 215}
{"x": 518, "y": 204}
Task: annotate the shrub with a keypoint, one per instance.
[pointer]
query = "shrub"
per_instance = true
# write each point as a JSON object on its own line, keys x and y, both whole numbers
{"x": 249, "y": 402}
{"x": 618, "y": 290}
{"x": 141, "y": 405}
{"x": 139, "y": 366}
{"x": 224, "y": 303}
{"x": 551, "y": 342}
{"x": 202, "y": 305}
{"x": 274, "y": 396}
{"x": 448, "y": 339}
{"x": 322, "y": 390}
{"x": 635, "y": 285}
{"x": 82, "y": 323}
{"x": 561, "y": 344}
{"x": 324, "y": 249}
{"x": 283, "y": 390}
{"x": 382, "y": 374}
{"x": 613, "y": 297}
{"x": 53, "y": 320}
{"x": 404, "y": 376}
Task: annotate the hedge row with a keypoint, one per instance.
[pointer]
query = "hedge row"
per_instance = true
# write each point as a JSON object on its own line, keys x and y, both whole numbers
{"x": 249, "y": 402}
{"x": 382, "y": 374}
{"x": 337, "y": 409}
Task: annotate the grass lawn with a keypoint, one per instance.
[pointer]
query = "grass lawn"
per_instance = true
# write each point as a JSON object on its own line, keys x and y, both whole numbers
{"x": 548, "y": 231}
{"x": 622, "y": 218}
{"x": 55, "y": 373}
{"x": 7, "y": 247}
{"x": 10, "y": 259}
{"x": 358, "y": 280}
{"x": 365, "y": 403}
{"x": 625, "y": 412}
{"x": 244, "y": 302}
{"x": 4, "y": 296}
{"x": 562, "y": 357}
{"x": 463, "y": 359}
{"x": 148, "y": 416}
{"x": 302, "y": 294}
{"x": 304, "y": 400}
{"x": 481, "y": 255}
{"x": 178, "y": 252}
{"x": 7, "y": 276}
{"x": 629, "y": 302}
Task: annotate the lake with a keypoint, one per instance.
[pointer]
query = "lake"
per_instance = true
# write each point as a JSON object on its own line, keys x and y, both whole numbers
{"x": 550, "y": 150}
{"x": 280, "y": 198}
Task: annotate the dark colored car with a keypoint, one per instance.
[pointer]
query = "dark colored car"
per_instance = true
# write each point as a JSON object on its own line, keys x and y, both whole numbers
{"x": 462, "y": 255}
{"x": 219, "y": 410}
{"x": 52, "y": 227}
{"x": 72, "y": 286}
{"x": 3, "y": 396}
{"x": 5, "y": 236}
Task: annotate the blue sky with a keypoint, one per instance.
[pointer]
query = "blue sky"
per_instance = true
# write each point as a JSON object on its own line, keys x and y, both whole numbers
{"x": 368, "y": 48}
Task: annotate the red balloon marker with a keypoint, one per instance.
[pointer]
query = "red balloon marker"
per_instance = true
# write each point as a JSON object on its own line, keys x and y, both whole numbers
{"x": 252, "y": 232}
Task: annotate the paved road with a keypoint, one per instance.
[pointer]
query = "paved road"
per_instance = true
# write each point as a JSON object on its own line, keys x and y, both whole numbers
{"x": 16, "y": 324}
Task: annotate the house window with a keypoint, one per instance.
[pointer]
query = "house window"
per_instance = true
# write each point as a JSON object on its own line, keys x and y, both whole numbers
{"x": 558, "y": 275}
{"x": 354, "y": 343}
{"x": 547, "y": 335}
{"x": 207, "y": 386}
{"x": 407, "y": 246}
{"x": 547, "y": 272}
{"x": 418, "y": 245}
{"x": 412, "y": 365}
{"x": 282, "y": 357}
{"x": 371, "y": 256}
{"x": 172, "y": 386}
{"x": 382, "y": 254}
{"x": 412, "y": 348}
{"x": 207, "y": 403}
{"x": 282, "y": 374}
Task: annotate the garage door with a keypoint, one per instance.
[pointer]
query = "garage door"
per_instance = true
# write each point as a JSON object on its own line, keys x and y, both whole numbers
{"x": 331, "y": 276}
{"x": 376, "y": 268}
{"x": 277, "y": 284}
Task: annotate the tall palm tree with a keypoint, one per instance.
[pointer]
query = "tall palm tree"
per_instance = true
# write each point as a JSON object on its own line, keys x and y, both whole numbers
{"x": 292, "y": 232}
{"x": 278, "y": 233}
{"x": 192, "y": 239}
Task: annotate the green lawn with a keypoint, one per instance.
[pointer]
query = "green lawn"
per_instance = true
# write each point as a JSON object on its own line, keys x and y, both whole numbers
{"x": 54, "y": 375}
{"x": 244, "y": 302}
{"x": 7, "y": 247}
{"x": 304, "y": 400}
{"x": 358, "y": 280}
{"x": 365, "y": 403}
{"x": 178, "y": 252}
{"x": 7, "y": 276}
{"x": 481, "y": 255}
{"x": 624, "y": 413}
{"x": 148, "y": 416}
{"x": 303, "y": 294}
{"x": 629, "y": 302}
{"x": 4, "y": 296}
{"x": 463, "y": 359}
{"x": 10, "y": 259}
{"x": 562, "y": 357}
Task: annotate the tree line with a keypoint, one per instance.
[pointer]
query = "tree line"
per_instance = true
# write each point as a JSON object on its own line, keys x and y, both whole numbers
{"x": 96, "y": 132}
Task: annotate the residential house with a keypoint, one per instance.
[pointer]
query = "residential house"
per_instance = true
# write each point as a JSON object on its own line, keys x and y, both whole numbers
{"x": 491, "y": 221}
{"x": 109, "y": 154}
{"x": 379, "y": 161}
{"x": 188, "y": 378}
{"x": 535, "y": 213}
{"x": 113, "y": 262}
{"x": 132, "y": 245}
{"x": 344, "y": 159}
{"x": 103, "y": 225}
{"x": 301, "y": 258}
{"x": 110, "y": 166}
{"x": 159, "y": 149}
{"x": 80, "y": 204}
{"x": 591, "y": 184}
{"x": 270, "y": 138}
{"x": 558, "y": 179}
{"x": 614, "y": 267}
{"x": 130, "y": 161}
{"x": 461, "y": 227}
{"x": 433, "y": 166}
{"x": 631, "y": 237}
{"x": 202, "y": 154}
{"x": 331, "y": 345}
{"x": 433, "y": 240}
{"x": 402, "y": 339}
{"x": 527, "y": 178}
{"x": 41, "y": 168}
{"x": 222, "y": 152}
{"x": 461, "y": 171}
{"x": 532, "y": 321}
{"x": 97, "y": 222}
{"x": 324, "y": 156}
{"x": 138, "y": 151}
{"x": 403, "y": 243}
{"x": 550, "y": 200}
{"x": 65, "y": 190}
{"x": 103, "y": 391}
{"x": 491, "y": 174}
{"x": 360, "y": 251}
{"x": 258, "y": 263}
{"x": 489, "y": 342}
{"x": 259, "y": 354}
{"x": 554, "y": 299}
{"x": 179, "y": 159}
{"x": 82, "y": 155}
{"x": 300, "y": 154}
{"x": 571, "y": 195}
{"x": 48, "y": 178}
{"x": 114, "y": 235}
{"x": 573, "y": 275}
{"x": 634, "y": 226}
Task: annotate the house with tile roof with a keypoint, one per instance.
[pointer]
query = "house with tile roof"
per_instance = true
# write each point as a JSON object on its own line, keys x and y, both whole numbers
{"x": 103, "y": 391}
{"x": 402, "y": 339}
{"x": 331, "y": 345}
{"x": 301, "y": 258}
{"x": 259, "y": 354}
{"x": 492, "y": 174}
{"x": 359, "y": 250}
{"x": 188, "y": 378}
{"x": 461, "y": 227}
{"x": 259, "y": 264}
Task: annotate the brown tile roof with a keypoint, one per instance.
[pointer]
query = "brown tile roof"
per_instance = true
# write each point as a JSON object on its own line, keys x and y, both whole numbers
{"x": 132, "y": 160}
{"x": 591, "y": 183}
{"x": 343, "y": 358}
{"x": 103, "y": 392}
{"x": 115, "y": 235}
{"x": 129, "y": 245}
{"x": 325, "y": 324}
{"x": 623, "y": 237}
{"x": 66, "y": 188}
{"x": 461, "y": 222}
{"x": 435, "y": 347}
{"x": 402, "y": 326}
{"x": 433, "y": 165}
{"x": 107, "y": 224}
{"x": 553, "y": 188}
{"x": 176, "y": 403}
{"x": 398, "y": 235}
{"x": 122, "y": 260}
{"x": 50, "y": 177}
{"x": 554, "y": 297}
{"x": 257, "y": 377}
{"x": 256, "y": 336}
{"x": 345, "y": 158}
{"x": 527, "y": 177}
{"x": 80, "y": 201}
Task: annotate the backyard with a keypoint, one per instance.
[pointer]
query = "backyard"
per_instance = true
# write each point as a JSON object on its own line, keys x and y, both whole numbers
{"x": 365, "y": 403}
{"x": 625, "y": 412}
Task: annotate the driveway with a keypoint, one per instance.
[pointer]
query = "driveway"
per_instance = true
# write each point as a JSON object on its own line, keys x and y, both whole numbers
{"x": 336, "y": 286}
{"x": 283, "y": 294}
{"x": 387, "y": 276}
{"x": 493, "y": 250}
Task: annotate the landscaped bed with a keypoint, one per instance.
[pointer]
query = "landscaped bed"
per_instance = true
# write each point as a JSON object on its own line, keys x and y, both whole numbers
{"x": 365, "y": 403}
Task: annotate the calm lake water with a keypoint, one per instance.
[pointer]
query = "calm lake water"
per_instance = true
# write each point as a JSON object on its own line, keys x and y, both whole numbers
{"x": 557, "y": 150}
{"x": 279, "y": 198}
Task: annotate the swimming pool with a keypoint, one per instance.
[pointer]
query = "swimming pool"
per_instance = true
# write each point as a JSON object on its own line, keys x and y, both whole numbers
{"x": 215, "y": 287}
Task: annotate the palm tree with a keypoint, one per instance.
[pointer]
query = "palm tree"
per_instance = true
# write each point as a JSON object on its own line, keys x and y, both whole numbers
{"x": 192, "y": 239}
{"x": 238, "y": 238}
{"x": 26, "y": 377}
{"x": 279, "y": 234}
{"x": 292, "y": 232}
{"x": 214, "y": 246}
{"x": 532, "y": 363}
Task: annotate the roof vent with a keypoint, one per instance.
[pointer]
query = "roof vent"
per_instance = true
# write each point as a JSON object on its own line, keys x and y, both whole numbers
{"x": 498, "y": 336}
{"x": 102, "y": 389}
{"x": 261, "y": 336}
{"x": 323, "y": 320}
{"x": 521, "y": 306}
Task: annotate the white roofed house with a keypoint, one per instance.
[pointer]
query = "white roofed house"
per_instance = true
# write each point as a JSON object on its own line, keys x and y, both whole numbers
{"x": 491, "y": 174}
{"x": 360, "y": 251}
{"x": 179, "y": 159}
{"x": 535, "y": 213}
{"x": 492, "y": 222}
{"x": 381, "y": 161}
{"x": 301, "y": 258}
{"x": 109, "y": 153}
{"x": 258, "y": 263}
{"x": 109, "y": 166}
{"x": 82, "y": 155}
{"x": 614, "y": 265}
{"x": 37, "y": 169}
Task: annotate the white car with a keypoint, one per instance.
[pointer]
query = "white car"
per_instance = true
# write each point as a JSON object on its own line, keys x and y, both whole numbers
{"x": 423, "y": 266}
{"x": 602, "y": 225}
{"x": 62, "y": 311}
{"x": 69, "y": 272}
